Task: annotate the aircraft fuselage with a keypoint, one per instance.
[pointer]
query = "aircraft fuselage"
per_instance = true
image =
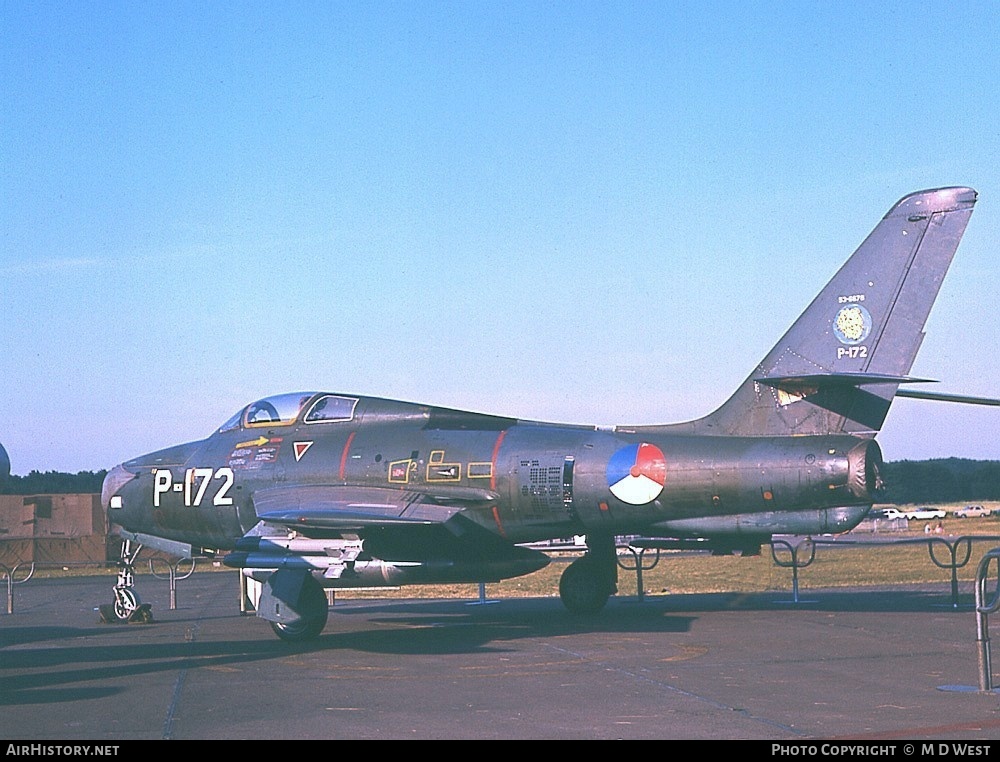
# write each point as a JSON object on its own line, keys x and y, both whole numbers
{"x": 523, "y": 481}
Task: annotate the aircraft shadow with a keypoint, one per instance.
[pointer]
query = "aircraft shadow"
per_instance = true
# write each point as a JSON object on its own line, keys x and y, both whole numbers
{"x": 47, "y": 673}
{"x": 638, "y": 611}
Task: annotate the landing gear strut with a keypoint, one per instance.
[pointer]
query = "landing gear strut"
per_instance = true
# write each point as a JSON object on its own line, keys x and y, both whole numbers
{"x": 589, "y": 581}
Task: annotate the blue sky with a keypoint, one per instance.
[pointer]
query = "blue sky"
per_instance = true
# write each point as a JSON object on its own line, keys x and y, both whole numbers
{"x": 590, "y": 212}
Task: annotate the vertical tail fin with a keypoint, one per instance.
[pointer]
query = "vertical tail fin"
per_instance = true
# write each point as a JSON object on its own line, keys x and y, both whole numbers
{"x": 837, "y": 368}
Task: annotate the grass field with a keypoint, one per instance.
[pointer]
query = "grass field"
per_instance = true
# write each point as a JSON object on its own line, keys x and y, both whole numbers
{"x": 679, "y": 572}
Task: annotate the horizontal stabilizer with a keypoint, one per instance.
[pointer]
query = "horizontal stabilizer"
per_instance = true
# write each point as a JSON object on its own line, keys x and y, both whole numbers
{"x": 820, "y": 380}
{"x": 942, "y": 397}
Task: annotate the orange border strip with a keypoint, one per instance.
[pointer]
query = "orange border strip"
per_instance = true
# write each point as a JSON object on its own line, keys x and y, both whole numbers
{"x": 496, "y": 518}
{"x": 493, "y": 460}
{"x": 343, "y": 455}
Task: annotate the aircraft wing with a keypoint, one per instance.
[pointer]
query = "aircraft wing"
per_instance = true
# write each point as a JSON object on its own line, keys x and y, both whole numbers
{"x": 321, "y": 508}
{"x": 399, "y": 524}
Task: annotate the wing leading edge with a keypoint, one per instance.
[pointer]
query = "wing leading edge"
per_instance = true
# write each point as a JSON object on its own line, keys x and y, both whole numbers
{"x": 392, "y": 524}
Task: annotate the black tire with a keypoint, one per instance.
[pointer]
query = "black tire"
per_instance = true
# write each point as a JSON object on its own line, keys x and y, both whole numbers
{"x": 126, "y": 603}
{"x": 583, "y": 588}
{"x": 315, "y": 611}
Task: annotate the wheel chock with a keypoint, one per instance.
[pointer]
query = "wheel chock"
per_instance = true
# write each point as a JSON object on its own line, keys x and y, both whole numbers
{"x": 142, "y": 615}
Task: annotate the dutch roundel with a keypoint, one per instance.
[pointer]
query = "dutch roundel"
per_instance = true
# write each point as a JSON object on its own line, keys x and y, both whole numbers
{"x": 636, "y": 473}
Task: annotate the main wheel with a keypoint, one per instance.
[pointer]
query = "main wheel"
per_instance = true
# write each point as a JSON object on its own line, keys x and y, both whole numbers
{"x": 583, "y": 588}
{"x": 314, "y": 611}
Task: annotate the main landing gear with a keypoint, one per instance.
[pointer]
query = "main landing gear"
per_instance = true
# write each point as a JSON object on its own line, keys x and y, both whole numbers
{"x": 302, "y": 609}
{"x": 126, "y": 606}
{"x": 589, "y": 581}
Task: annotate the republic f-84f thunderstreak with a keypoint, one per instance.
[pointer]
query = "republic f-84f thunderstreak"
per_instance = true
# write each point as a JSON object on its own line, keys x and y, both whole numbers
{"x": 314, "y": 490}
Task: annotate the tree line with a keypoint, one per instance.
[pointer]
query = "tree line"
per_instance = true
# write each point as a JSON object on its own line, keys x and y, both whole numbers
{"x": 947, "y": 480}
{"x": 54, "y": 483}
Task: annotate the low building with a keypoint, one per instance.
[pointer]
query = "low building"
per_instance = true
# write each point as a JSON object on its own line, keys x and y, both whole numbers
{"x": 55, "y": 530}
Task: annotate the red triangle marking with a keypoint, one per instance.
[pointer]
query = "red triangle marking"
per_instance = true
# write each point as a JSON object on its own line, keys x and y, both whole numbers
{"x": 300, "y": 449}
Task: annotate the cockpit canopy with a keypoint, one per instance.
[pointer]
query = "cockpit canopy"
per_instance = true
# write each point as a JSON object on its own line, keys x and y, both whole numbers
{"x": 286, "y": 409}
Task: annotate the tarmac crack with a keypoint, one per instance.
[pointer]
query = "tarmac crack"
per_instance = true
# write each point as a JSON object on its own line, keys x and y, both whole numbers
{"x": 168, "y": 722}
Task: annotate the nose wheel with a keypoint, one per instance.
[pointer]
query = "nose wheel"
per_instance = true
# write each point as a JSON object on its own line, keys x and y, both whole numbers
{"x": 126, "y": 603}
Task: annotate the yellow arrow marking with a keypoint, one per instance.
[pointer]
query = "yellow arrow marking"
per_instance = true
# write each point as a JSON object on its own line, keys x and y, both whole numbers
{"x": 254, "y": 442}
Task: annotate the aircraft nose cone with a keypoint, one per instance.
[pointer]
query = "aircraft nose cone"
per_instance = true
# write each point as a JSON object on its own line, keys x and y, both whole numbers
{"x": 117, "y": 478}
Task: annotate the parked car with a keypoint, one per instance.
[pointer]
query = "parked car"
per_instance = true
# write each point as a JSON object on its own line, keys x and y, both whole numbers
{"x": 972, "y": 512}
{"x": 892, "y": 513}
{"x": 925, "y": 513}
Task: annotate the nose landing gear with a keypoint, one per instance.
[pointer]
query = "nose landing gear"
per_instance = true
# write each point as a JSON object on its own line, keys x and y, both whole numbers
{"x": 126, "y": 606}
